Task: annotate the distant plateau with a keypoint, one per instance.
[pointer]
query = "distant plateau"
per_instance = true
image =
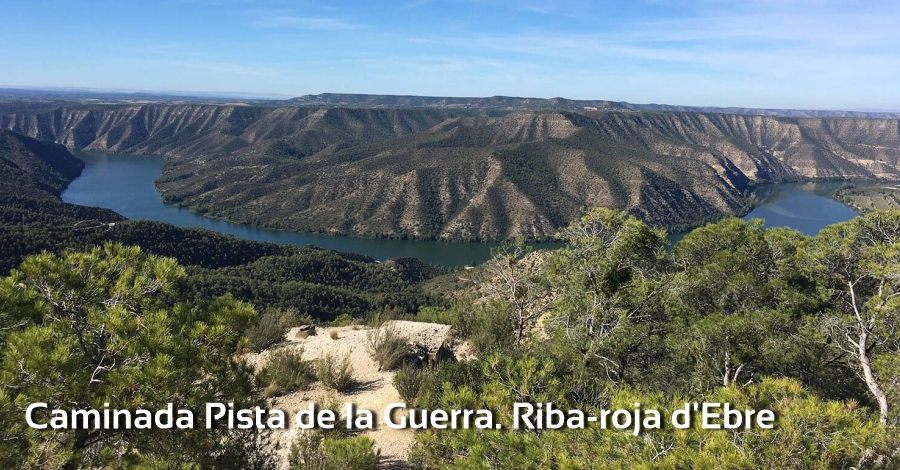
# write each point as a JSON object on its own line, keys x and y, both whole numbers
{"x": 463, "y": 174}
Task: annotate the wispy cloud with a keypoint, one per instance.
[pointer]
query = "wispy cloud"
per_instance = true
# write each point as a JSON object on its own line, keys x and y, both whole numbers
{"x": 317, "y": 23}
{"x": 287, "y": 19}
{"x": 562, "y": 8}
{"x": 706, "y": 38}
{"x": 775, "y": 53}
{"x": 188, "y": 56}
{"x": 224, "y": 67}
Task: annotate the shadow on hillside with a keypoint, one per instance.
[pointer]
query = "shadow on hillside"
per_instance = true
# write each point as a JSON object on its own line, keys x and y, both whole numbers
{"x": 393, "y": 464}
{"x": 363, "y": 386}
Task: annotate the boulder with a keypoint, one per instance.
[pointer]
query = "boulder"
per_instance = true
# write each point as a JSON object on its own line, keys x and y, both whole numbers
{"x": 301, "y": 332}
{"x": 431, "y": 341}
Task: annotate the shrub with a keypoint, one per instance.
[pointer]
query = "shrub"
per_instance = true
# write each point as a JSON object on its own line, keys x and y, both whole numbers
{"x": 387, "y": 347}
{"x": 409, "y": 380}
{"x": 333, "y": 334}
{"x": 376, "y": 318}
{"x": 493, "y": 327}
{"x": 307, "y": 452}
{"x": 335, "y": 375}
{"x": 331, "y": 401}
{"x": 354, "y": 453}
{"x": 460, "y": 314}
{"x": 343, "y": 319}
{"x": 285, "y": 372}
{"x": 314, "y": 451}
{"x": 269, "y": 330}
{"x": 438, "y": 315}
{"x": 488, "y": 327}
{"x": 454, "y": 376}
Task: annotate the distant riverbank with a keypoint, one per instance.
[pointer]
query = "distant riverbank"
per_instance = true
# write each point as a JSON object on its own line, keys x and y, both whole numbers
{"x": 124, "y": 183}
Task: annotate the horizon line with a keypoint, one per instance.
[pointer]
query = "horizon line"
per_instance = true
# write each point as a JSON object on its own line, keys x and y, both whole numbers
{"x": 287, "y": 97}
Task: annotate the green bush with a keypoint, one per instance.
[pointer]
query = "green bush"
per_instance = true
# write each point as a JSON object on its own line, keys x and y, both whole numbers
{"x": 286, "y": 371}
{"x": 331, "y": 401}
{"x": 353, "y": 453}
{"x": 432, "y": 314}
{"x": 387, "y": 347}
{"x": 409, "y": 380}
{"x": 270, "y": 329}
{"x": 493, "y": 327}
{"x": 460, "y": 314}
{"x": 455, "y": 375}
{"x": 307, "y": 452}
{"x": 335, "y": 375}
{"x": 315, "y": 451}
{"x": 487, "y": 326}
{"x": 343, "y": 319}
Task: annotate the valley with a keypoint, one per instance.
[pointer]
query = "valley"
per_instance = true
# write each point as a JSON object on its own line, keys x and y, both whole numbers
{"x": 480, "y": 174}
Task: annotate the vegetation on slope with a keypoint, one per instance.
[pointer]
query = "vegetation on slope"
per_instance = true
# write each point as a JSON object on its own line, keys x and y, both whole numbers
{"x": 865, "y": 198}
{"x": 466, "y": 174}
{"x": 309, "y": 281}
{"x": 758, "y": 319}
{"x": 34, "y": 168}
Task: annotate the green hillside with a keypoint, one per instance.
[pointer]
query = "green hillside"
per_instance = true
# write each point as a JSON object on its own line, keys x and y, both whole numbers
{"x": 310, "y": 281}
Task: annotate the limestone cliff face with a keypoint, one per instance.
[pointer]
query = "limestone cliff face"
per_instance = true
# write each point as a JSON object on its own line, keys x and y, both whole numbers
{"x": 461, "y": 174}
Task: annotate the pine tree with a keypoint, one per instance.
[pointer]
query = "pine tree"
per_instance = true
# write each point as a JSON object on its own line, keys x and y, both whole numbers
{"x": 114, "y": 326}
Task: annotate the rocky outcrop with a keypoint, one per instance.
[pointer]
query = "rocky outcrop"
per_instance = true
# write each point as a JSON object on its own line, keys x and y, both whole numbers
{"x": 432, "y": 340}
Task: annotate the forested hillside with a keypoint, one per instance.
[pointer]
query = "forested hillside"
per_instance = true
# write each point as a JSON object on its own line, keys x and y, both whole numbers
{"x": 310, "y": 281}
{"x": 758, "y": 319}
{"x": 466, "y": 174}
{"x": 34, "y": 167}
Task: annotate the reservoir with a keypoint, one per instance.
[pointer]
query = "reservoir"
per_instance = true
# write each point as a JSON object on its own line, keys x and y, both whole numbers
{"x": 124, "y": 183}
{"x": 805, "y": 207}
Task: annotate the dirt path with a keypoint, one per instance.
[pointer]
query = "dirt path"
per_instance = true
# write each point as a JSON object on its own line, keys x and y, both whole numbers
{"x": 375, "y": 391}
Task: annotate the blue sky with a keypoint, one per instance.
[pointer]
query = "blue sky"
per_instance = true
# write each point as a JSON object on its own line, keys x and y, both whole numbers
{"x": 753, "y": 53}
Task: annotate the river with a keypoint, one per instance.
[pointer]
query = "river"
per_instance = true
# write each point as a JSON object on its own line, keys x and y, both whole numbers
{"x": 806, "y": 207}
{"x": 124, "y": 183}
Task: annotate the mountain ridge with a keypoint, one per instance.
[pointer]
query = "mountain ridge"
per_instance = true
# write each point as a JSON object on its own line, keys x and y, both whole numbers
{"x": 558, "y": 104}
{"x": 463, "y": 174}
{"x": 12, "y": 97}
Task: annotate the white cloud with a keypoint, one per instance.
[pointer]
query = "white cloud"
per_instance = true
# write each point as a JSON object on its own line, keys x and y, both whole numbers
{"x": 316, "y": 23}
